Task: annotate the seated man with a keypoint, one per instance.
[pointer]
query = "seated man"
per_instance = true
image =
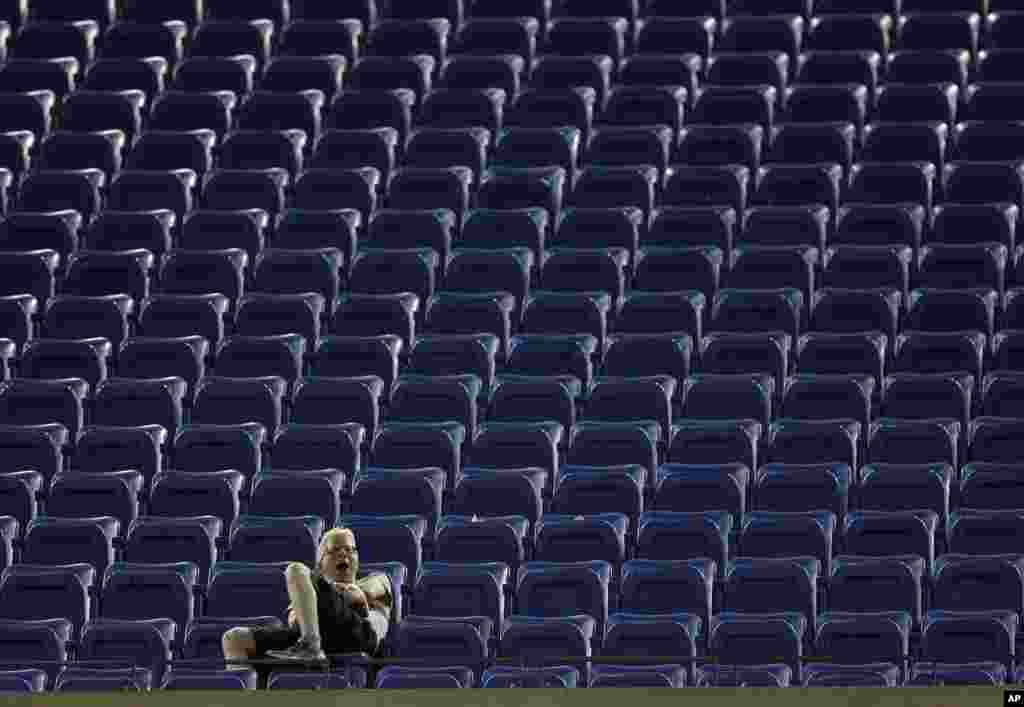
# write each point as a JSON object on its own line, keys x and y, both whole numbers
{"x": 330, "y": 612}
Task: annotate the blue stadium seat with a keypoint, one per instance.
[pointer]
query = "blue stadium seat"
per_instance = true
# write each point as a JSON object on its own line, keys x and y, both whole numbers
{"x": 971, "y": 530}
{"x": 352, "y": 676}
{"x": 988, "y": 100}
{"x": 30, "y": 273}
{"x": 263, "y": 315}
{"x": 849, "y": 32}
{"x": 236, "y": 401}
{"x": 83, "y": 317}
{"x": 149, "y": 640}
{"x": 964, "y": 583}
{"x": 560, "y": 356}
{"x": 853, "y": 638}
{"x": 749, "y": 68}
{"x": 975, "y": 674}
{"x": 992, "y": 439}
{"x": 825, "y": 397}
{"x": 208, "y": 448}
{"x": 610, "y": 442}
{"x": 580, "y": 490}
{"x": 902, "y": 487}
{"x": 38, "y": 448}
{"x": 878, "y": 584}
{"x": 15, "y": 317}
{"x": 479, "y": 588}
{"x": 787, "y": 225}
{"x": 941, "y": 352}
{"x": 383, "y": 492}
{"x": 887, "y": 533}
{"x": 22, "y": 681}
{"x": 492, "y": 492}
{"x": 654, "y": 590}
{"x": 456, "y": 108}
{"x": 155, "y": 540}
{"x": 776, "y": 535}
{"x": 536, "y": 639}
{"x": 947, "y": 636}
{"x": 181, "y": 494}
{"x": 983, "y": 183}
{"x": 18, "y": 502}
{"x": 854, "y": 675}
{"x": 503, "y": 676}
{"x": 623, "y": 146}
{"x": 485, "y": 36}
{"x": 462, "y": 639}
{"x": 694, "y": 185}
{"x": 880, "y": 224}
{"x": 671, "y": 535}
{"x": 419, "y": 678}
{"x": 249, "y": 589}
{"x": 293, "y": 493}
{"x": 39, "y": 402}
{"x": 657, "y": 676}
{"x": 923, "y": 396}
{"x": 1000, "y": 394}
{"x": 631, "y": 635}
{"x": 658, "y": 269}
{"x": 69, "y": 587}
{"x": 125, "y": 402}
{"x": 803, "y": 487}
{"x": 78, "y": 679}
{"x": 82, "y": 495}
{"x": 924, "y": 142}
{"x": 597, "y": 537}
{"x": 767, "y": 585}
{"x": 204, "y": 229}
{"x": 900, "y": 441}
{"x": 961, "y": 309}
{"x": 182, "y": 111}
{"x": 321, "y": 72}
{"x": 771, "y": 675}
{"x": 677, "y": 35}
{"x": 748, "y": 639}
{"x": 692, "y": 226}
{"x": 185, "y": 315}
{"x": 135, "y": 592}
{"x": 741, "y": 352}
{"x": 186, "y": 679}
{"x": 115, "y": 231}
{"x": 275, "y": 538}
{"x": 988, "y": 485}
{"x": 56, "y": 359}
{"x": 716, "y": 442}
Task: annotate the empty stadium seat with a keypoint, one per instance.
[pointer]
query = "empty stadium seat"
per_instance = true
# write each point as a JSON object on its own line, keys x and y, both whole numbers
{"x": 210, "y": 448}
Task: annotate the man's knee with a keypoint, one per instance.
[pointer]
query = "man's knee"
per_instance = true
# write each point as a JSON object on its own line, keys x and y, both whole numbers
{"x": 238, "y": 641}
{"x": 296, "y": 572}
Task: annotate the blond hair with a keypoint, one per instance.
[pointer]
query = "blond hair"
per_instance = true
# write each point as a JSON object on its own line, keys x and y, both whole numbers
{"x": 334, "y": 533}
{"x": 376, "y": 586}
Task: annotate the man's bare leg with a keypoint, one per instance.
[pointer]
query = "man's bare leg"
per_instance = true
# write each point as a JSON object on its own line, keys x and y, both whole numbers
{"x": 303, "y": 601}
{"x": 238, "y": 646}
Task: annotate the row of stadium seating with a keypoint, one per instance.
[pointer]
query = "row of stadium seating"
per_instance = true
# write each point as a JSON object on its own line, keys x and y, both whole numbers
{"x": 611, "y": 333}
{"x": 665, "y": 608}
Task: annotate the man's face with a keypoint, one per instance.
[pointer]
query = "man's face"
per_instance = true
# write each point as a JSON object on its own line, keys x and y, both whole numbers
{"x": 340, "y": 560}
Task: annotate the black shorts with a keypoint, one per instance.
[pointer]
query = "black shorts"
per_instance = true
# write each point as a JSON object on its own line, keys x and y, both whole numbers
{"x": 275, "y": 638}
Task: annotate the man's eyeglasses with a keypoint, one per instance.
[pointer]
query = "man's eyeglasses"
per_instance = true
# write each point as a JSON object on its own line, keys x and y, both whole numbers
{"x": 338, "y": 550}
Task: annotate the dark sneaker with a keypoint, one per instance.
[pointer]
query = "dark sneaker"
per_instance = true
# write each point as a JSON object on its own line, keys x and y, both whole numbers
{"x": 300, "y": 652}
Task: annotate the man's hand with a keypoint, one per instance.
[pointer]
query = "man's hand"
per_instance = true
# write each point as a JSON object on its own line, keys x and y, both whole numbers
{"x": 353, "y": 595}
